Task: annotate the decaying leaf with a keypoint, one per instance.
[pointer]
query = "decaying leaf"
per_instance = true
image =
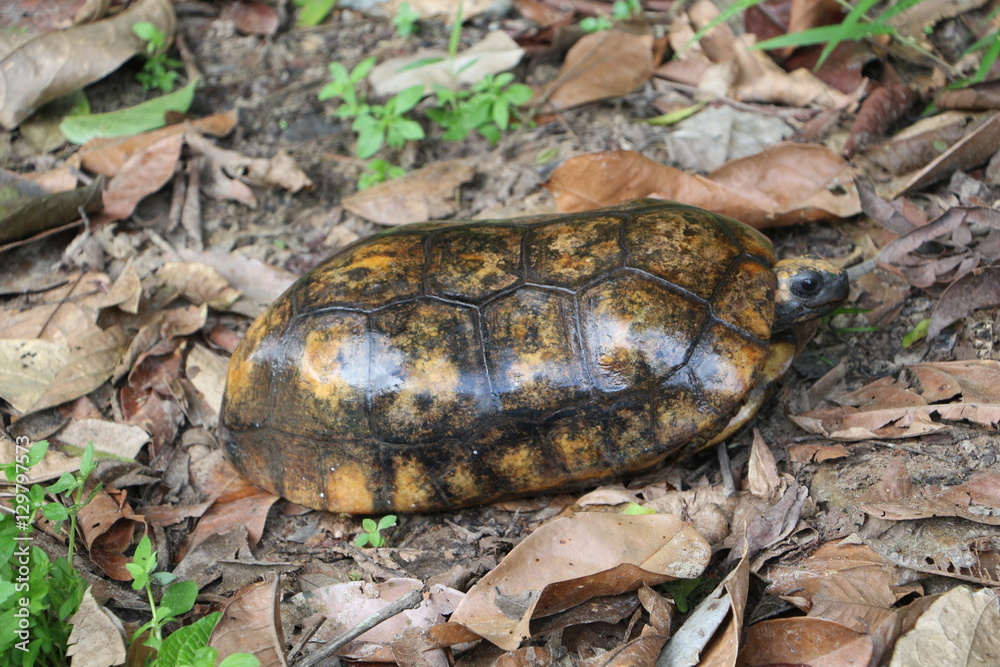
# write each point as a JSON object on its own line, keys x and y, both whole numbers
{"x": 425, "y": 194}
{"x": 976, "y": 500}
{"x": 251, "y": 624}
{"x": 198, "y": 283}
{"x": 145, "y": 172}
{"x": 49, "y": 65}
{"x": 771, "y": 188}
{"x": 573, "y": 559}
{"x": 33, "y": 210}
{"x": 498, "y": 52}
{"x": 604, "y": 64}
{"x": 805, "y": 641}
{"x": 962, "y": 627}
{"x": 97, "y": 638}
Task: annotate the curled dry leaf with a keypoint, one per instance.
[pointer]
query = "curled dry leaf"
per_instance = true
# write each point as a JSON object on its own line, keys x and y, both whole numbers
{"x": 892, "y": 409}
{"x": 107, "y": 524}
{"x": 572, "y": 559}
{"x": 258, "y": 283}
{"x": 962, "y": 627}
{"x": 977, "y": 289}
{"x": 604, "y": 64}
{"x": 425, "y": 194}
{"x": 251, "y": 624}
{"x": 198, "y": 283}
{"x": 976, "y": 500}
{"x": 279, "y": 170}
{"x": 498, "y": 52}
{"x": 145, "y": 172}
{"x": 49, "y": 65}
{"x": 920, "y": 143}
{"x": 784, "y": 184}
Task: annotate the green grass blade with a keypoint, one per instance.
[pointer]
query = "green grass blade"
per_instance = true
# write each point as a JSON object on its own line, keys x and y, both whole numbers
{"x": 829, "y": 33}
{"x": 728, "y": 13}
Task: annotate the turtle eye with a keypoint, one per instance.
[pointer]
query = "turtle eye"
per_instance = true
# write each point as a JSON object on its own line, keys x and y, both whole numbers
{"x": 808, "y": 285}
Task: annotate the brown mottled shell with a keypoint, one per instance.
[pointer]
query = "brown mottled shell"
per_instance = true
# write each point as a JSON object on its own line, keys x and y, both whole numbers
{"x": 438, "y": 366}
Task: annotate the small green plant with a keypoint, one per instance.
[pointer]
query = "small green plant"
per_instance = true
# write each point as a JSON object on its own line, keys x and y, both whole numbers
{"x": 917, "y": 333}
{"x": 621, "y": 10}
{"x": 682, "y": 590}
{"x": 38, "y": 595}
{"x": 487, "y": 108}
{"x": 387, "y": 123}
{"x": 159, "y": 72}
{"x": 379, "y": 171}
{"x": 312, "y": 12}
{"x": 405, "y": 20}
{"x": 372, "y": 533}
{"x": 345, "y": 86}
{"x": 187, "y": 645}
{"x": 636, "y": 508}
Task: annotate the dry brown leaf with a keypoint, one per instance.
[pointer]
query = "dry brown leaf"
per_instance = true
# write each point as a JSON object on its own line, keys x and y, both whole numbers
{"x": 922, "y": 142}
{"x": 49, "y": 65}
{"x": 805, "y": 641}
{"x": 976, "y": 500}
{"x": 760, "y": 79}
{"x": 207, "y": 372}
{"x": 816, "y": 453}
{"x": 425, "y": 194}
{"x": 977, "y": 289}
{"x": 250, "y": 623}
{"x": 246, "y": 507}
{"x": 973, "y": 150}
{"x": 29, "y": 210}
{"x": 977, "y": 97}
{"x": 252, "y": 17}
{"x": 198, "y": 283}
{"x": 762, "y": 470}
{"x": 258, "y": 283}
{"x": 431, "y": 8}
{"x": 604, "y": 64}
{"x": 120, "y": 440}
{"x": 724, "y": 648}
{"x": 962, "y": 627}
{"x": 497, "y": 52}
{"x": 880, "y": 110}
{"x": 280, "y": 170}
{"x": 97, "y": 638}
{"x": 107, "y": 156}
{"x": 107, "y": 524}
{"x": 573, "y": 559}
{"x": 774, "y": 187}
{"x": 145, "y": 172}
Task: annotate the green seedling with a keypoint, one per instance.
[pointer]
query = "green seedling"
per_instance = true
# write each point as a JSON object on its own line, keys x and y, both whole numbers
{"x": 388, "y": 124}
{"x": 405, "y": 20}
{"x": 38, "y": 595}
{"x": 159, "y": 72}
{"x": 372, "y": 533}
{"x": 636, "y": 508}
{"x": 917, "y": 333}
{"x": 487, "y": 108}
{"x": 621, "y": 10}
{"x": 379, "y": 171}
{"x": 682, "y": 590}
{"x": 313, "y": 12}
{"x": 345, "y": 87}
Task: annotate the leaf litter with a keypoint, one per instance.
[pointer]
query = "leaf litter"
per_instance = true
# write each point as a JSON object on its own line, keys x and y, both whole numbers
{"x": 843, "y": 537}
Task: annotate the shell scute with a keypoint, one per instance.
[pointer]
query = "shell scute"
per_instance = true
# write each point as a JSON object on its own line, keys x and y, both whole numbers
{"x": 474, "y": 261}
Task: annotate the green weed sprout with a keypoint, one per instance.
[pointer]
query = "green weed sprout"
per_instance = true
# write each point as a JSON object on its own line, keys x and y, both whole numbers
{"x": 345, "y": 86}
{"x": 312, "y": 12}
{"x": 372, "y": 533}
{"x": 388, "y": 124}
{"x": 405, "y": 20}
{"x": 621, "y": 10}
{"x": 379, "y": 171}
{"x": 159, "y": 72}
{"x": 38, "y": 595}
{"x": 487, "y": 108}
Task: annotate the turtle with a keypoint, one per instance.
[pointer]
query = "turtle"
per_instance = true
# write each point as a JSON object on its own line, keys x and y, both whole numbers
{"x": 440, "y": 365}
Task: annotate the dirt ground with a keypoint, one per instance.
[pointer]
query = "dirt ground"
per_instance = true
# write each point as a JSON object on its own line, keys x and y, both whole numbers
{"x": 274, "y": 84}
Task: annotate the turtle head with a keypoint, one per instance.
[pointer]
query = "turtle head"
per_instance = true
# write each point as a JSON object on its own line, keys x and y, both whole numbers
{"x": 808, "y": 288}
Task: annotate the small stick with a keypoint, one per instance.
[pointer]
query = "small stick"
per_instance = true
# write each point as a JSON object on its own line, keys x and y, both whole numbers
{"x": 408, "y": 601}
{"x": 728, "y": 483}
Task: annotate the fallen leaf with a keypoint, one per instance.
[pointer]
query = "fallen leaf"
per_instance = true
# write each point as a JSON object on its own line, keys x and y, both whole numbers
{"x": 106, "y": 156}
{"x": 145, "y": 172}
{"x": 120, "y": 440}
{"x": 961, "y": 628}
{"x": 48, "y": 65}
{"x": 280, "y": 170}
{"x": 107, "y": 524}
{"x": 767, "y": 189}
{"x": 496, "y": 53}
{"x": 431, "y": 8}
{"x": 975, "y": 500}
{"x": 198, "y": 283}
{"x": 724, "y": 647}
{"x": 425, "y": 194}
{"x": 251, "y": 624}
{"x": 604, "y": 64}
{"x": 97, "y": 638}
{"x": 573, "y": 559}
{"x": 207, "y": 372}
{"x": 252, "y": 17}
{"x": 805, "y": 641}
{"x": 977, "y": 289}
{"x": 28, "y": 209}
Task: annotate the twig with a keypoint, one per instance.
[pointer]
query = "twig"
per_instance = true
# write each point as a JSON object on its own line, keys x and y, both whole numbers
{"x": 408, "y": 601}
{"x": 728, "y": 483}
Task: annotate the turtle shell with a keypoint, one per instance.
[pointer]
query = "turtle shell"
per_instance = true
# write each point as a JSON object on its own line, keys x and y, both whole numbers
{"x": 436, "y": 366}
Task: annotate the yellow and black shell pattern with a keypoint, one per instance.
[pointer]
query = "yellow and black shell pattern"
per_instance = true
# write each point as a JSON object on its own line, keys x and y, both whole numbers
{"x": 441, "y": 365}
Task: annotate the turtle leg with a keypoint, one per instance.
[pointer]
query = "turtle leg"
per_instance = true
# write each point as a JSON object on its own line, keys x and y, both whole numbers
{"x": 779, "y": 358}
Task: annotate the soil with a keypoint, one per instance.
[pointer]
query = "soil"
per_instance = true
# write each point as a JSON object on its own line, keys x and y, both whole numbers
{"x": 274, "y": 83}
